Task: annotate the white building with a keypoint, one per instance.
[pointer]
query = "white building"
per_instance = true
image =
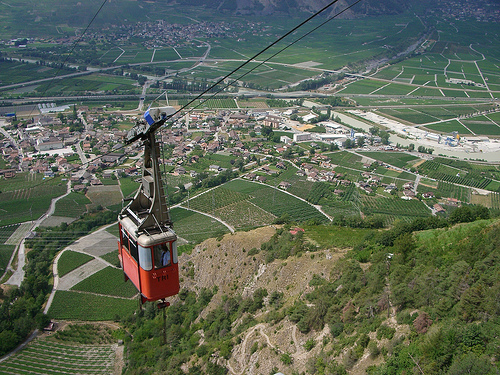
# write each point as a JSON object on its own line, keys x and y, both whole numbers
{"x": 302, "y": 137}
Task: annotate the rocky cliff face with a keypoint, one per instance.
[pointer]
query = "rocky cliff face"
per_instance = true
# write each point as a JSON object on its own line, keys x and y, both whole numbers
{"x": 225, "y": 263}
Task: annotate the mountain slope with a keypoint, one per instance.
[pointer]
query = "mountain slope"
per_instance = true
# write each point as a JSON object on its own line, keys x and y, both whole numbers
{"x": 291, "y": 306}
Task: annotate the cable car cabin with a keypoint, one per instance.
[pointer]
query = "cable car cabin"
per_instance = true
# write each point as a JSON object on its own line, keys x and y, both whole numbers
{"x": 149, "y": 261}
{"x": 148, "y": 247}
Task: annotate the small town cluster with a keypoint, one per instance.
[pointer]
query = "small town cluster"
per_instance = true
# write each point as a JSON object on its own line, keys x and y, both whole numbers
{"x": 89, "y": 143}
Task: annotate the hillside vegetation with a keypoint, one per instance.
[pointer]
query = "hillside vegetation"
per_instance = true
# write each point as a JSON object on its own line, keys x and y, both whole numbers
{"x": 411, "y": 299}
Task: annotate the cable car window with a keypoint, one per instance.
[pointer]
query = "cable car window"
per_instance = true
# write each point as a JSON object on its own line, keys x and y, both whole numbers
{"x": 174, "y": 252}
{"x": 133, "y": 249}
{"x": 162, "y": 255}
{"x": 145, "y": 260}
{"x": 125, "y": 240}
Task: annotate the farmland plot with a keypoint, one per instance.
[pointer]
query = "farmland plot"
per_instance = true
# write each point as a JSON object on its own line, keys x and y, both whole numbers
{"x": 108, "y": 281}
{"x": 393, "y": 206}
{"x": 73, "y": 205}
{"x": 275, "y": 201}
{"x": 48, "y": 357}
{"x": 23, "y": 198}
{"x": 105, "y": 195}
{"x": 71, "y": 260}
{"x": 397, "y": 159}
{"x": 5, "y": 255}
{"x": 6, "y": 232}
{"x": 195, "y": 227}
{"x": 70, "y": 305}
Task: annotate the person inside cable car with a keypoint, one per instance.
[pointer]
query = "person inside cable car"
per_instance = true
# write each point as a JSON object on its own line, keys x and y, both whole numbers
{"x": 162, "y": 255}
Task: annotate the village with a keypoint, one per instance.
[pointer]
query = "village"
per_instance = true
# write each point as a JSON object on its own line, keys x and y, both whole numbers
{"x": 87, "y": 144}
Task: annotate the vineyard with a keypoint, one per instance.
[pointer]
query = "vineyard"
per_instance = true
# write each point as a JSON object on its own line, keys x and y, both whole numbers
{"x": 108, "y": 281}
{"x": 443, "y": 173}
{"x": 69, "y": 305}
{"x": 24, "y": 198}
{"x": 71, "y": 260}
{"x": 393, "y": 206}
{"x": 300, "y": 187}
{"x": 276, "y": 201}
{"x": 209, "y": 103}
{"x": 246, "y": 204}
{"x": 346, "y": 158}
{"x": 397, "y": 159}
{"x": 495, "y": 200}
{"x": 5, "y": 254}
{"x": 128, "y": 186}
{"x": 6, "y": 232}
{"x": 73, "y": 205}
{"x": 194, "y": 227}
{"x": 216, "y": 199}
{"x": 104, "y": 196}
{"x": 448, "y": 190}
{"x": 244, "y": 215}
{"x": 490, "y": 171}
{"x": 48, "y": 357}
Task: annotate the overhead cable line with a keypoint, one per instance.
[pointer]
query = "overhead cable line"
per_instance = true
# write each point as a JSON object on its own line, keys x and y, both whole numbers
{"x": 242, "y": 65}
{"x": 277, "y": 53}
{"x": 255, "y": 56}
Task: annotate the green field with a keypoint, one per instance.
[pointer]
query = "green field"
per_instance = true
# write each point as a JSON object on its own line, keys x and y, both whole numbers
{"x": 394, "y": 207}
{"x": 88, "y": 83}
{"x": 482, "y": 126}
{"x": 73, "y": 205}
{"x": 448, "y": 127}
{"x": 195, "y": 227}
{"x": 276, "y": 201}
{"x": 12, "y": 72}
{"x": 71, "y": 260}
{"x": 397, "y": 159}
{"x": 410, "y": 115}
{"x": 27, "y": 196}
{"x": 335, "y": 237}
{"x": 6, "y": 252}
{"x": 108, "y": 281}
{"x": 44, "y": 356}
{"x": 7, "y": 231}
{"x": 70, "y": 305}
{"x": 362, "y": 87}
{"x": 129, "y": 186}
{"x": 112, "y": 257}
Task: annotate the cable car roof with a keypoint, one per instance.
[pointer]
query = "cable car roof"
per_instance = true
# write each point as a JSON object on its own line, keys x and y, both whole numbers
{"x": 150, "y": 238}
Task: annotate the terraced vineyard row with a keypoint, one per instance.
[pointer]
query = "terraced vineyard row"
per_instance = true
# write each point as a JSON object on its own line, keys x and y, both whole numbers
{"x": 46, "y": 357}
{"x": 239, "y": 192}
{"x": 480, "y": 184}
{"x": 279, "y": 203}
{"x": 216, "y": 199}
{"x": 6, "y": 232}
{"x": 394, "y": 206}
{"x": 443, "y": 172}
{"x": 495, "y": 200}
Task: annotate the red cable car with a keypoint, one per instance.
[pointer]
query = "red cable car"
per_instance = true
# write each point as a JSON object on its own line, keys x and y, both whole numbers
{"x": 147, "y": 248}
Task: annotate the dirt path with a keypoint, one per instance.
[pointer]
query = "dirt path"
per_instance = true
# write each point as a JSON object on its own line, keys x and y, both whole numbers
{"x": 259, "y": 330}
